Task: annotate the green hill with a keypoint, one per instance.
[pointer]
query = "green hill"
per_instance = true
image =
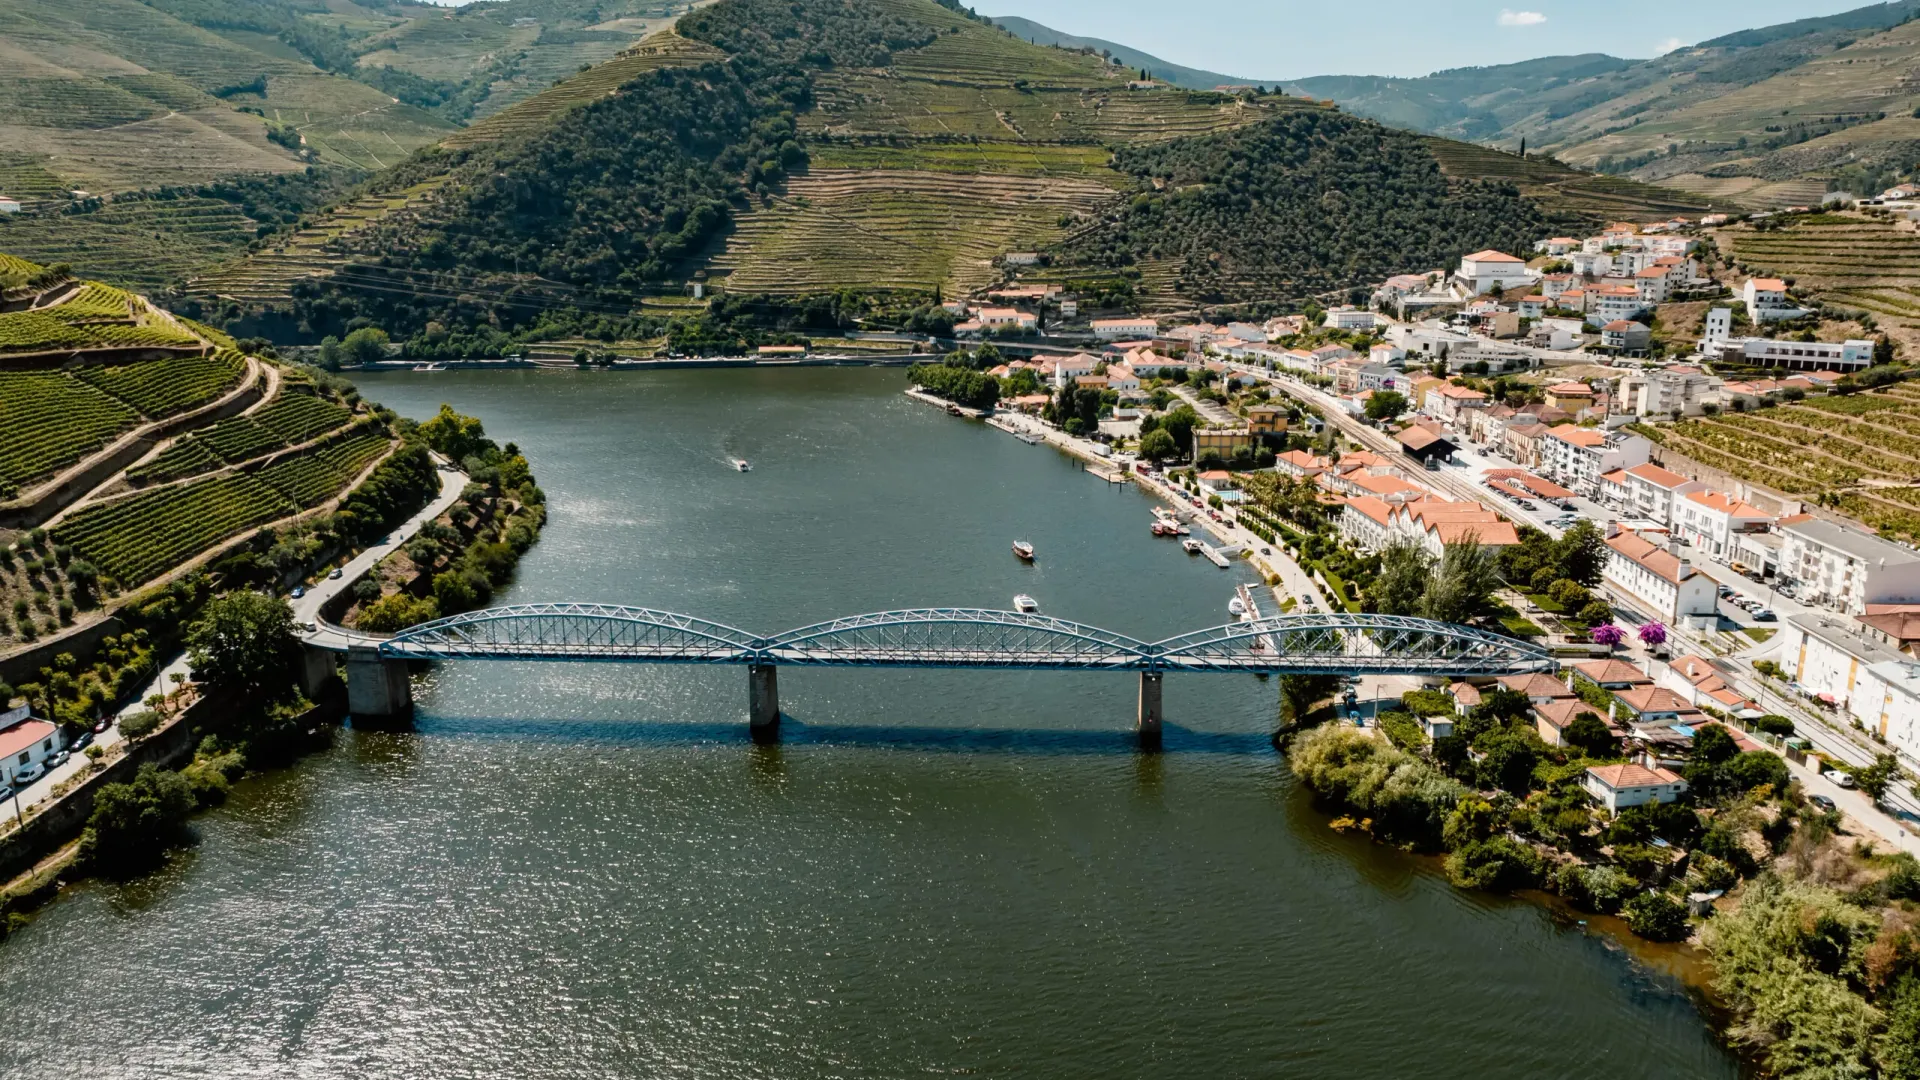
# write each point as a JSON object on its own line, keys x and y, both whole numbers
{"x": 819, "y": 163}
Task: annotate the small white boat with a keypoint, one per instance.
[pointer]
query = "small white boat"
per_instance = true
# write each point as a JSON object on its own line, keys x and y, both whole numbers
{"x": 741, "y": 464}
{"x": 1023, "y": 549}
{"x": 1025, "y": 603}
{"x": 1236, "y": 606}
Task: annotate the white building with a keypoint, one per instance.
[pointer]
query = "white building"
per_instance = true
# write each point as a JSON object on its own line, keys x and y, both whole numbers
{"x": 1482, "y": 270}
{"x": 1651, "y": 491}
{"x": 1710, "y": 520}
{"x": 26, "y": 743}
{"x": 1617, "y": 787}
{"x": 1834, "y": 661}
{"x": 1845, "y": 569}
{"x": 1576, "y": 457}
{"x": 1125, "y": 329}
{"x": 1659, "y": 580}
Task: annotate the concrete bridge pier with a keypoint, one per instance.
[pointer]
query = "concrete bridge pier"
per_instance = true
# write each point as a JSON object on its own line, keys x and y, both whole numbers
{"x": 378, "y": 691}
{"x": 1151, "y": 714}
{"x": 763, "y": 700}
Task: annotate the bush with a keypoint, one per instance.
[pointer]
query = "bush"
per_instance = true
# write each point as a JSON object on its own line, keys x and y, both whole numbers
{"x": 1495, "y": 865}
{"x": 1657, "y": 917}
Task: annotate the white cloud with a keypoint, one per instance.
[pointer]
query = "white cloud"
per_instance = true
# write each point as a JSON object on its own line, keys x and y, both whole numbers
{"x": 1669, "y": 45}
{"x": 1520, "y": 18}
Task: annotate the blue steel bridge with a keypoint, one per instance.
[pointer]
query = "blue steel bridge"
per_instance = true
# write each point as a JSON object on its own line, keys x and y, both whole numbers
{"x": 1318, "y": 643}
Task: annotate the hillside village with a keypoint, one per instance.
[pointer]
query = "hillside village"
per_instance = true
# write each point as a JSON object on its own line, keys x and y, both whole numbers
{"x": 1515, "y": 400}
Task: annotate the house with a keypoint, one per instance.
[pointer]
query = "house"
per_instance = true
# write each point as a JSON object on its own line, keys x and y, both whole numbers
{"x": 1551, "y": 718}
{"x": 1350, "y": 318}
{"x": 1660, "y": 580}
{"x": 1617, "y": 787}
{"x": 1842, "y": 664}
{"x": 1267, "y": 419}
{"x": 1124, "y": 328}
{"x": 1444, "y": 402}
{"x": 1577, "y": 456}
{"x": 1709, "y": 520}
{"x": 1221, "y": 483}
{"x": 1652, "y": 491}
{"x": 1481, "y": 271}
{"x": 1626, "y": 335}
{"x": 1845, "y": 569}
{"x": 26, "y": 742}
{"x": 1539, "y": 688}
{"x": 1001, "y": 318}
{"x": 1571, "y": 396}
{"x": 1612, "y": 673}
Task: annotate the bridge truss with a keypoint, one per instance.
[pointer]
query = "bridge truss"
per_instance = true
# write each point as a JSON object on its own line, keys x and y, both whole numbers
{"x": 971, "y": 638}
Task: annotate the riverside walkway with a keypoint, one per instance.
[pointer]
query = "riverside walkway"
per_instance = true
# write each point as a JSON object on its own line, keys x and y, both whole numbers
{"x": 1316, "y": 643}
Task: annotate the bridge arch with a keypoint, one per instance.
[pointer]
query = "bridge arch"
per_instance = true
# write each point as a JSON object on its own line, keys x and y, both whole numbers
{"x": 573, "y": 631}
{"x": 1338, "y": 642}
{"x": 957, "y": 637}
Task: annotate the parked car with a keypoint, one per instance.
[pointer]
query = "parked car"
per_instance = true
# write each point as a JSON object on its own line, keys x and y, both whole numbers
{"x": 23, "y": 777}
{"x": 1840, "y": 779}
{"x": 1823, "y": 803}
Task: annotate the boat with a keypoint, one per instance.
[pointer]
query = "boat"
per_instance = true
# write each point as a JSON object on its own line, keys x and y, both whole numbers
{"x": 1192, "y": 547}
{"x": 741, "y": 464}
{"x": 1025, "y": 603}
{"x": 1023, "y": 549}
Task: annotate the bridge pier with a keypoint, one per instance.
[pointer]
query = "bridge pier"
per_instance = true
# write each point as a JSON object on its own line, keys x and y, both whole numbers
{"x": 1147, "y": 722}
{"x": 763, "y": 700}
{"x": 378, "y": 691}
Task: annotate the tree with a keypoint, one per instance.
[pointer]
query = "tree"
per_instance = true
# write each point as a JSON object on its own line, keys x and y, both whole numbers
{"x": 133, "y": 823}
{"x": 244, "y": 642}
{"x": 366, "y": 345}
{"x": 1463, "y": 584}
{"x": 1656, "y": 917}
{"x": 1581, "y": 553}
{"x": 1404, "y": 570}
{"x": 1386, "y": 404}
{"x": 1876, "y": 778}
{"x": 1158, "y": 445}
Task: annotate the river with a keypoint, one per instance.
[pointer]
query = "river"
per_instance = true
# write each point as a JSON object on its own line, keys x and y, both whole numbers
{"x": 589, "y": 870}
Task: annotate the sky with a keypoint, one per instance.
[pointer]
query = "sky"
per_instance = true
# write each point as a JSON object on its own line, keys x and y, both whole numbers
{"x": 1269, "y": 40}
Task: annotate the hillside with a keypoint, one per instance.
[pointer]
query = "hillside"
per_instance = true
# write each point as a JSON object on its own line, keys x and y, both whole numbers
{"x": 199, "y": 105}
{"x": 1769, "y": 116}
{"x": 880, "y": 152}
{"x": 1125, "y": 56}
{"x": 139, "y": 443}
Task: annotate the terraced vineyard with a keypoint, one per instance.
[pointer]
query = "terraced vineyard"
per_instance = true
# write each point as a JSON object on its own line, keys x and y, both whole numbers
{"x": 164, "y": 387}
{"x": 141, "y": 536}
{"x": 1849, "y": 260}
{"x": 51, "y": 421}
{"x": 905, "y": 230}
{"x": 1859, "y": 453}
{"x": 313, "y": 478}
{"x": 139, "y": 243}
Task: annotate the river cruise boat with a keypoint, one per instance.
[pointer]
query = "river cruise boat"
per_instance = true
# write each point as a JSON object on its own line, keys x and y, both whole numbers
{"x": 1023, "y": 549}
{"x": 1026, "y": 604}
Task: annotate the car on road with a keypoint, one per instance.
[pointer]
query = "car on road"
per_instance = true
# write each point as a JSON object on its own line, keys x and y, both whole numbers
{"x": 1823, "y": 803}
{"x": 298, "y": 591}
{"x": 333, "y": 574}
{"x": 23, "y": 777}
{"x": 58, "y": 759}
{"x": 1840, "y": 778}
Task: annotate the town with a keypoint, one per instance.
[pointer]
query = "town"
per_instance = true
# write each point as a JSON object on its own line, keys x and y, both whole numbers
{"x": 1526, "y": 408}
